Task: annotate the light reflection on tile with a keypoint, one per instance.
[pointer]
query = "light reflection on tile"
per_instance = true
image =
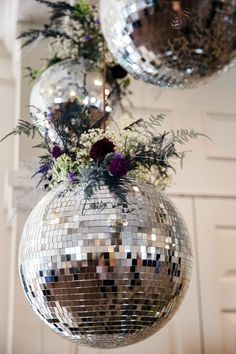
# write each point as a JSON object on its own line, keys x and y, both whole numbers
{"x": 105, "y": 278}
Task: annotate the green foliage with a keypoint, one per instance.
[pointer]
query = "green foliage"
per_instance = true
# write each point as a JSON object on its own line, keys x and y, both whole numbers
{"x": 63, "y": 165}
{"x": 146, "y": 126}
{"x": 94, "y": 177}
{"x": 24, "y": 128}
{"x": 33, "y": 74}
{"x": 142, "y": 149}
{"x": 161, "y": 148}
{"x": 74, "y": 119}
{"x": 184, "y": 135}
{"x": 82, "y": 8}
{"x": 46, "y": 32}
{"x": 82, "y": 31}
{"x": 62, "y": 5}
{"x": 74, "y": 32}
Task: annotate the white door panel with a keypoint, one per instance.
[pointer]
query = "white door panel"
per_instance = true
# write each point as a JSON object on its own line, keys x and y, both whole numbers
{"x": 216, "y": 235}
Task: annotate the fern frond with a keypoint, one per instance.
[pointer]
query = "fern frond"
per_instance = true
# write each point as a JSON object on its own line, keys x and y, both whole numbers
{"x": 46, "y": 32}
{"x": 146, "y": 124}
{"x": 30, "y": 33}
{"x": 23, "y": 127}
{"x": 62, "y": 5}
{"x": 183, "y": 136}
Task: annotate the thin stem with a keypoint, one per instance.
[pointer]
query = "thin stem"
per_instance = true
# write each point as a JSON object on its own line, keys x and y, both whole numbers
{"x": 104, "y": 77}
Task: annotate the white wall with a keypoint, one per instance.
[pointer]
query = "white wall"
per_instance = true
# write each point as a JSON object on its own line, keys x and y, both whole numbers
{"x": 7, "y": 104}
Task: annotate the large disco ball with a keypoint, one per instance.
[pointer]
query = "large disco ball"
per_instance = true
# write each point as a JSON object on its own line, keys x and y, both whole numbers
{"x": 171, "y": 43}
{"x": 105, "y": 277}
{"x": 63, "y": 91}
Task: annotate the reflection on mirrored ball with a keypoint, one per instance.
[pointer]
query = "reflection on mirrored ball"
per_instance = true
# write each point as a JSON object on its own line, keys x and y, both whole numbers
{"x": 175, "y": 44}
{"x": 62, "y": 93}
{"x": 106, "y": 277}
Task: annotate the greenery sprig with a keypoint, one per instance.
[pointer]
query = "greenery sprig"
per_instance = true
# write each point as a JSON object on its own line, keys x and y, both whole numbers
{"x": 84, "y": 151}
{"x": 23, "y": 128}
{"x": 74, "y": 32}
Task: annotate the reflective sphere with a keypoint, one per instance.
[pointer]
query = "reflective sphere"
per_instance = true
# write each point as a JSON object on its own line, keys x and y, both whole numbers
{"x": 68, "y": 87}
{"x": 171, "y": 43}
{"x": 106, "y": 277}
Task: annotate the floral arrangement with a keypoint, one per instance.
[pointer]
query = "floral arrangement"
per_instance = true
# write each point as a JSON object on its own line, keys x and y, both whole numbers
{"x": 74, "y": 32}
{"x": 86, "y": 152}
{"x": 93, "y": 155}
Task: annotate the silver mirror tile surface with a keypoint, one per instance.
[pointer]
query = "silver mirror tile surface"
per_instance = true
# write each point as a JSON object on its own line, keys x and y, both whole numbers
{"x": 171, "y": 43}
{"x": 61, "y": 84}
{"x": 105, "y": 278}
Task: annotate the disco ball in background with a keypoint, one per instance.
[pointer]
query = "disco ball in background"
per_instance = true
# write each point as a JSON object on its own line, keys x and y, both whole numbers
{"x": 175, "y": 44}
{"x": 110, "y": 277}
{"x": 67, "y": 86}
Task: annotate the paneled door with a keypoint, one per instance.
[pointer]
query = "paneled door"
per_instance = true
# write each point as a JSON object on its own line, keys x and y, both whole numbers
{"x": 216, "y": 235}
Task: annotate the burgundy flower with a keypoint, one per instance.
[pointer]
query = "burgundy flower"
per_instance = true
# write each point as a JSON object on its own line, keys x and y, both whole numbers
{"x": 56, "y": 151}
{"x": 72, "y": 178}
{"x": 119, "y": 166}
{"x": 101, "y": 148}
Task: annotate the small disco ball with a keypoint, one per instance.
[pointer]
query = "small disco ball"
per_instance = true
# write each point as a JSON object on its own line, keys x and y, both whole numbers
{"x": 106, "y": 277}
{"x": 68, "y": 87}
{"x": 176, "y": 44}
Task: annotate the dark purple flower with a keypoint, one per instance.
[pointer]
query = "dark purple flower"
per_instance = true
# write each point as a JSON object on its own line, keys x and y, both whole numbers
{"x": 44, "y": 169}
{"x": 72, "y": 178}
{"x": 119, "y": 166}
{"x": 98, "y": 22}
{"x": 56, "y": 151}
{"x": 87, "y": 38}
{"x": 46, "y": 187}
{"x": 118, "y": 72}
{"x": 101, "y": 148}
